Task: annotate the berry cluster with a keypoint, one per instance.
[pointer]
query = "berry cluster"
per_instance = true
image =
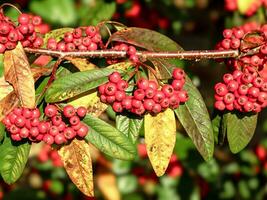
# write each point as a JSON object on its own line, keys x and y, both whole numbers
{"x": 147, "y": 97}
{"x": 131, "y": 53}
{"x": 25, "y": 123}
{"x": 81, "y": 39}
{"x": 243, "y": 91}
{"x": 47, "y": 153}
{"x": 25, "y": 32}
{"x": 232, "y": 5}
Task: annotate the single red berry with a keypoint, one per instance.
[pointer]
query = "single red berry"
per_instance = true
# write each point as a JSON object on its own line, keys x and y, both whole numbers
{"x": 243, "y": 89}
{"x": 61, "y": 46}
{"x": 34, "y": 122}
{"x": 17, "y": 111}
{"x": 183, "y": 96}
{"x": 14, "y": 129}
{"x": 232, "y": 86}
{"x": 257, "y": 82}
{"x": 149, "y": 104}
{"x": 74, "y": 120}
{"x": 20, "y": 121}
{"x": 36, "y": 113}
{"x": 92, "y": 46}
{"x": 221, "y": 89}
{"x": 262, "y": 97}
{"x": 69, "y": 133}
{"x": 82, "y": 47}
{"x": 159, "y": 96}
{"x": 149, "y": 93}
{"x": 48, "y": 139}
{"x": 131, "y": 50}
{"x": 34, "y": 131}
{"x": 97, "y": 38}
{"x": 52, "y": 44}
{"x": 242, "y": 100}
{"x": 165, "y": 103}
{"x": 42, "y": 127}
{"x": 24, "y": 133}
{"x": 142, "y": 83}
{"x": 13, "y": 36}
{"x": 226, "y": 43}
{"x": 103, "y": 98}
{"x": 227, "y": 78}
{"x": 38, "y": 42}
{"x": 255, "y": 60}
{"x": 256, "y": 107}
{"x": 24, "y": 18}
{"x": 117, "y": 107}
{"x": 139, "y": 111}
{"x": 178, "y": 74}
{"x": 56, "y": 120}
{"x": 120, "y": 95}
{"x": 81, "y": 111}
{"x": 83, "y": 131}
{"x": 77, "y": 33}
{"x": 261, "y": 152}
{"x": 229, "y": 107}
{"x": 27, "y": 113}
{"x": 229, "y": 98}
{"x": 167, "y": 90}
{"x": 61, "y": 126}
{"x": 153, "y": 85}
{"x": 136, "y": 103}
{"x": 86, "y": 41}
{"x": 77, "y": 126}
{"x": 51, "y": 110}
{"x": 235, "y": 43}
{"x": 16, "y": 137}
{"x": 101, "y": 89}
{"x": 238, "y": 33}
{"x": 177, "y": 84}
{"x": 227, "y": 33}
{"x": 246, "y": 78}
{"x": 36, "y": 20}
{"x": 7, "y": 122}
{"x": 4, "y": 28}
{"x": 70, "y": 47}
{"x": 91, "y": 31}
{"x": 139, "y": 94}
{"x": 122, "y": 85}
{"x": 156, "y": 108}
{"x": 69, "y": 111}
{"x": 127, "y": 103}
{"x": 110, "y": 99}
{"x": 115, "y": 77}
{"x": 68, "y": 37}
{"x": 60, "y": 139}
{"x": 10, "y": 45}
{"x": 110, "y": 88}
{"x": 53, "y": 130}
{"x": 263, "y": 49}
{"x": 2, "y": 48}
{"x": 219, "y": 105}
{"x": 253, "y": 92}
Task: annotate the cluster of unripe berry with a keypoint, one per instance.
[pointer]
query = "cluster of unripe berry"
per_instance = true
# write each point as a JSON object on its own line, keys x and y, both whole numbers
{"x": 80, "y": 39}
{"x": 146, "y": 97}
{"x": 25, "y": 32}
{"x": 49, "y": 154}
{"x": 58, "y": 127}
{"x": 232, "y": 5}
{"x": 243, "y": 91}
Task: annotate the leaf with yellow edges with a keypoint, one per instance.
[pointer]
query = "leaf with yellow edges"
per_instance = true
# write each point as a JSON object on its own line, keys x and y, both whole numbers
{"x": 5, "y": 88}
{"x": 81, "y": 63}
{"x": 78, "y": 164}
{"x": 18, "y": 73}
{"x": 160, "y": 137}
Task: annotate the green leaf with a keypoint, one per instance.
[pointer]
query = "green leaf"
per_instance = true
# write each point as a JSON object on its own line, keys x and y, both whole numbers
{"x": 57, "y": 34}
{"x": 216, "y": 126}
{"x": 55, "y": 12}
{"x": 108, "y": 139}
{"x": 2, "y": 131}
{"x": 129, "y": 125}
{"x": 99, "y": 11}
{"x": 77, "y": 83}
{"x": 240, "y": 129}
{"x": 1, "y": 64}
{"x": 14, "y": 157}
{"x": 195, "y": 119}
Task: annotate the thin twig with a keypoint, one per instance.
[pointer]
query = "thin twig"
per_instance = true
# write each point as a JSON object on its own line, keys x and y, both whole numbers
{"x": 184, "y": 55}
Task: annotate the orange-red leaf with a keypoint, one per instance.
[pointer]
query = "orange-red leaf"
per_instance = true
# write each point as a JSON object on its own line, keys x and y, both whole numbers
{"x": 18, "y": 73}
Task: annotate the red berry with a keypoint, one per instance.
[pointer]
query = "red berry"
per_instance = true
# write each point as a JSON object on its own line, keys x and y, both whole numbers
{"x": 165, "y": 103}
{"x": 24, "y": 18}
{"x": 221, "y": 89}
{"x": 158, "y": 97}
{"x": 27, "y": 113}
{"x": 48, "y": 139}
{"x": 183, "y": 96}
{"x": 13, "y": 36}
{"x": 16, "y": 137}
{"x": 229, "y": 98}
{"x": 178, "y": 74}
{"x": 243, "y": 89}
{"x": 131, "y": 50}
{"x": 34, "y": 122}
{"x": 69, "y": 111}
{"x": 110, "y": 99}
{"x": 136, "y": 103}
{"x": 60, "y": 139}
{"x": 36, "y": 113}
{"x": 127, "y": 103}
{"x": 238, "y": 33}
{"x": 83, "y": 131}
{"x": 56, "y": 120}
{"x": 42, "y": 127}
{"x": 61, "y": 126}
{"x": 156, "y": 108}
{"x": 261, "y": 152}
{"x": 246, "y": 78}
{"x": 257, "y": 82}
{"x": 177, "y": 84}
{"x": 74, "y": 120}
{"x": 51, "y": 110}
{"x": 262, "y": 97}
{"x": 232, "y": 86}
{"x": 53, "y": 130}
{"x": 114, "y": 77}
{"x": 235, "y": 43}
{"x": 77, "y": 126}
{"x": 14, "y": 129}
{"x": 219, "y": 105}
{"x": 110, "y": 88}
{"x": 36, "y": 20}
{"x": 20, "y": 121}
{"x": 7, "y": 122}
{"x": 142, "y": 83}
{"x": 117, "y": 107}
{"x": 227, "y": 78}
{"x": 81, "y": 111}
{"x": 90, "y": 31}
{"x": 86, "y": 41}
{"x": 167, "y": 90}
{"x": 2, "y": 48}
{"x": 69, "y": 133}
{"x": 34, "y": 131}
{"x": 139, "y": 94}
{"x": 153, "y": 85}
{"x": 122, "y": 85}
{"x": 149, "y": 92}
{"x": 253, "y": 92}
{"x": 242, "y": 100}
{"x": 120, "y": 95}
{"x": 248, "y": 106}
{"x": 61, "y": 46}
{"x": 149, "y": 104}
{"x": 77, "y": 33}
{"x": 24, "y": 133}
{"x": 227, "y": 33}
{"x": 92, "y": 46}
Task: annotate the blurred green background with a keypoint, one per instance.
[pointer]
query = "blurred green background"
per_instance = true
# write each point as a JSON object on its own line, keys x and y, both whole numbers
{"x": 194, "y": 24}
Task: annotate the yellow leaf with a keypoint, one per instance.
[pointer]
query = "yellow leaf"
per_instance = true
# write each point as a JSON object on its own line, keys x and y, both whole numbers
{"x": 78, "y": 164}
{"x": 244, "y": 5}
{"x": 5, "y": 88}
{"x": 160, "y": 136}
{"x": 18, "y": 73}
{"x": 7, "y": 104}
{"x": 107, "y": 184}
{"x": 81, "y": 63}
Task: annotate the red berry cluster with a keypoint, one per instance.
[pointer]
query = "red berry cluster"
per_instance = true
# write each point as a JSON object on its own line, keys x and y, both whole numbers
{"x": 232, "y": 5}
{"x": 25, "y": 123}
{"x": 47, "y": 153}
{"x": 25, "y": 32}
{"x": 147, "y": 97}
{"x": 131, "y": 53}
{"x": 243, "y": 91}
{"x": 81, "y": 39}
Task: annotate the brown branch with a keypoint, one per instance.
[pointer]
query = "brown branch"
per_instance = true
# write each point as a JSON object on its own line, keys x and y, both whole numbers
{"x": 184, "y": 55}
